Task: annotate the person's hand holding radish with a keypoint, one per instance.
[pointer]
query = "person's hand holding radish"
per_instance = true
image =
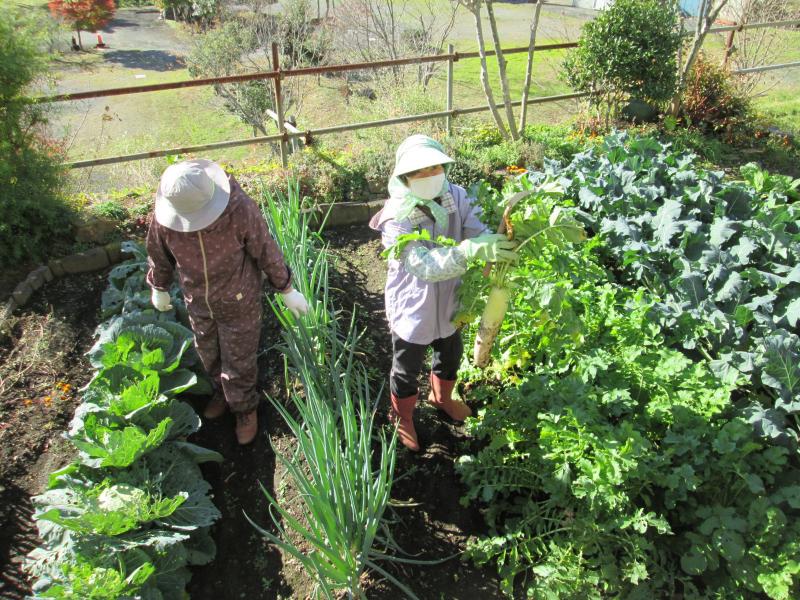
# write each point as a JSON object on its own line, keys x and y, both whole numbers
{"x": 489, "y": 247}
{"x": 542, "y": 222}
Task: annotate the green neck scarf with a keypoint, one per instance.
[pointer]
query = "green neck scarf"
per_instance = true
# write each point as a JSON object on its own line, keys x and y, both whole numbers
{"x": 410, "y": 202}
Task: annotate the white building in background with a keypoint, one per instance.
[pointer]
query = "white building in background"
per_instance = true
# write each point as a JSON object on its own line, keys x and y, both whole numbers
{"x": 732, "y": 10}
{"x": 592, "y": 4}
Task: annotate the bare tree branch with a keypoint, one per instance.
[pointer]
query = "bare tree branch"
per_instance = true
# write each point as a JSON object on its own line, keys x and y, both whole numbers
{"x": 529, "y": 66}
{"x": 501, "y": 67}
{"x": 474, "y": 6}
{"x": 389, "y": 29}
{"x": 707, "y": 14}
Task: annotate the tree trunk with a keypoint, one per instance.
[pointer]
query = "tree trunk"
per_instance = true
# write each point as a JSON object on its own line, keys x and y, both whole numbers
{"x": 475, "y": 9}
{"x": 80, "y": 44}
{"x": 707, "y": 15}
{"x": 523, "y": 115}
{"x": 501, "y": 67}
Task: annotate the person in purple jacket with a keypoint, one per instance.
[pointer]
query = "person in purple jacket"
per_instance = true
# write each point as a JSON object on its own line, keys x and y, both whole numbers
{"x": 212, "y": 233}
{"x": 421, "y": 284}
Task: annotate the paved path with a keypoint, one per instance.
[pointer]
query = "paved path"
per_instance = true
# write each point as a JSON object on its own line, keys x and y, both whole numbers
{"x": 142, "y": 29}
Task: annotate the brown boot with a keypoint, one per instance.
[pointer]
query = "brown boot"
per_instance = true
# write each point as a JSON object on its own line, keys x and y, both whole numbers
{"x": 246, "y": 426}
{"x": 441, "y": 397}
{"x": 403, "y": 416}
{"x": 216, "y": 407}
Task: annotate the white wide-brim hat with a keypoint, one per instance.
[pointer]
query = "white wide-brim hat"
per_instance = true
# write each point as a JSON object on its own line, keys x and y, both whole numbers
{"x": 417, "y": 152}
{"x": 192, "y": 195}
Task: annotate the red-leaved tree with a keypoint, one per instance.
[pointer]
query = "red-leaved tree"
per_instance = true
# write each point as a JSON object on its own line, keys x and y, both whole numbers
{"x": 89, "y": 15}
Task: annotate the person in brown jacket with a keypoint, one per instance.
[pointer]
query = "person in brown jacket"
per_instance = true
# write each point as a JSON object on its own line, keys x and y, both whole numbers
{"x": 213, "y": 234}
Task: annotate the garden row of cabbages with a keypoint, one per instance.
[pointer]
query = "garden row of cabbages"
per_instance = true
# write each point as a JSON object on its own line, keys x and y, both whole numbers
{"x": 638, "y": 431}
{"x": 132, "y": 512}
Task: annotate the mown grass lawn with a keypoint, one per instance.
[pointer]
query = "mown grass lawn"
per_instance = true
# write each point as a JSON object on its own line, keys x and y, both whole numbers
{"x": 27, "y": 3}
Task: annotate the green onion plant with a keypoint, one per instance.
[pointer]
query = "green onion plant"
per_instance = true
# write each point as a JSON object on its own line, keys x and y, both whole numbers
{"x": 343, "y": 467}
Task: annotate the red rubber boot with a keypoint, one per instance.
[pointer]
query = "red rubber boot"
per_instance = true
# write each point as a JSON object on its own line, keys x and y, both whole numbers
{"x": 441, "y": 397}
{"x": 403, "y": 416}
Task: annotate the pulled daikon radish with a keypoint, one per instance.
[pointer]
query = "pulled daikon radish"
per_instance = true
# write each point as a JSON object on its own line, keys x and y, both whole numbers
{"x": 491, "y": 320}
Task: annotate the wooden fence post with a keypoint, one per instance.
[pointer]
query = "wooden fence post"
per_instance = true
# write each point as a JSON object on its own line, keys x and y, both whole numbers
{"x": 450, "y": 50}
{"x": 728, "y": 47}
{"x": 279, "y": 104}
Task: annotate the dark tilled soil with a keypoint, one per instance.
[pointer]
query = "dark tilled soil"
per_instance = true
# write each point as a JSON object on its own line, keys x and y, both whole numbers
{"x": 246, "y": 566}
{"x": 41, "y": 366}
{"x": 427, "y": 520}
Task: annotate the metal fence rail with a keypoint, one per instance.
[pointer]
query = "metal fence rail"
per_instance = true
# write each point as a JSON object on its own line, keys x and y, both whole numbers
{"x": 283, "y": 73}
{"x": 311, "y": 133}
{"x": 288, "y": 132}
{"x": 745, "y": 26}
{"x": 762, "y": 68}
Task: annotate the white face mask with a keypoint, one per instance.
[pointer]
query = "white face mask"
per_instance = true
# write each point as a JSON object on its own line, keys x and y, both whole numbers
{"x": 427, "y": 188}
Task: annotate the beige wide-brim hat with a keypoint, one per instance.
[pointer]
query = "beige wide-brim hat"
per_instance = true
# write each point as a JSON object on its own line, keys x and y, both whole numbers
{"x": 417, "y": 152}
{"x": 192, "y": 195}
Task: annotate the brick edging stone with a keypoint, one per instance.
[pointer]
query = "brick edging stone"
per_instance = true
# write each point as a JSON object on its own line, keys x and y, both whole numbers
{"x": 94, "y": 259}
{"x": 345, "y": 213}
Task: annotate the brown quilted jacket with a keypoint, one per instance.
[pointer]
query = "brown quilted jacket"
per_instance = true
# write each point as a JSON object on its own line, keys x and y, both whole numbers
{"x": 219, "y": 267}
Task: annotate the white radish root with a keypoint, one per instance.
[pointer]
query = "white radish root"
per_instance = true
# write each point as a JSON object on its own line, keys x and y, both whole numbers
{"x": 491, "y": 320}
{"x": 497, "y": 304}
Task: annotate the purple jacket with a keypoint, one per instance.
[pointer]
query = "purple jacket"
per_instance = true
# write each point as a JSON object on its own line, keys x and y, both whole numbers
{"x": 419, "y": 311}
{"x": 219, "y": 267}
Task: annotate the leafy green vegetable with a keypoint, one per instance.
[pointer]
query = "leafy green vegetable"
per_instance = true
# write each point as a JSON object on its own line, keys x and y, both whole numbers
{"x": 723, "y": 257}
{"x": 127, "y": 518}
{"x": 106, "y": 509}
{"x": 83, "y": 581}
{"x": 766, "y": 183}
{"x": 640, "y": 438}
{"x": 394, "y": 251}
{"x": 108, "y": 444}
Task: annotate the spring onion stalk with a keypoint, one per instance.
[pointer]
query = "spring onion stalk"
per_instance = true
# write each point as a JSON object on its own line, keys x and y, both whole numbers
{"x": 343, "y": 467}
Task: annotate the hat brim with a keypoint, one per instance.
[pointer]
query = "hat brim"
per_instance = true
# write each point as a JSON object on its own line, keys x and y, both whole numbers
{"x": 420, "y": 158}
{"x": 167, "y": 216}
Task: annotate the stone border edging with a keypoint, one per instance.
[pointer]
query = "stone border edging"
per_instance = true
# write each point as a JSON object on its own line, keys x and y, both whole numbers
{"x": 93, "y": 259}
{"x": 345, "y": 213}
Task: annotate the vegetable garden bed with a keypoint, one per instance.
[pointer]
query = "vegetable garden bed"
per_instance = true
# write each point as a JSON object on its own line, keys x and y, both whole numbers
{"x": 635, "y": 432}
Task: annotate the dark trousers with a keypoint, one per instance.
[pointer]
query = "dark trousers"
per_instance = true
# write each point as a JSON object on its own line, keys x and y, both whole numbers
{"x": 407, "y": 359}
{"x": 228, "y": 349}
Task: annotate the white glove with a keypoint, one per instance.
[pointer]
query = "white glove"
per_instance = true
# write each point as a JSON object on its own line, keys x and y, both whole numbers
{"x": 489, "y": 247}
{"x": 295, "y": 302}
{"x": 160, "y": 300}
